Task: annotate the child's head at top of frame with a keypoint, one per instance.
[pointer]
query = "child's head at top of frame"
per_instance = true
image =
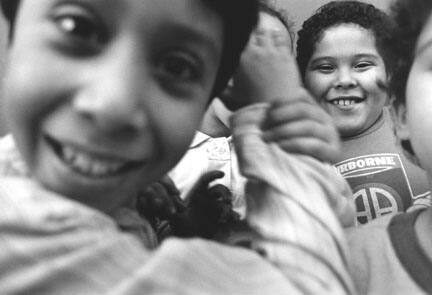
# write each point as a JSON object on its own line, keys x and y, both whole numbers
{"x": 411, "y": 82}
{"x": 271, "y": 18}
{"x": 342, "y": 52}
{"x": 104, "y": 96}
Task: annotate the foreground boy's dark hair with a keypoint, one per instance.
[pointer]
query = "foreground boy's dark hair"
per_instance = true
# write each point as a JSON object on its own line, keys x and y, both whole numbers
{"x": 410, "y": 18}
{"x": 340, "y": 12}
{"x": 239, "y": 17}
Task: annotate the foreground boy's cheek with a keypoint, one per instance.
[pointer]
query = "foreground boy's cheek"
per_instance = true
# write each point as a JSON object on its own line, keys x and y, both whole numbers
{"x": 104, "y": 182}
{"x": 419, "y": 120}
{"x": 67, "y": 160}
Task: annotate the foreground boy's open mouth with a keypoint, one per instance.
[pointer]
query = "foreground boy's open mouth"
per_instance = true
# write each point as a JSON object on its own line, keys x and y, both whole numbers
{"x": 90, "y": 164}
{"x": 346, "y": 101}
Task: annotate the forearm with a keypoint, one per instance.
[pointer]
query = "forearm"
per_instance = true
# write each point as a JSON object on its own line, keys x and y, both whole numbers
{"x": 288, "y": 204}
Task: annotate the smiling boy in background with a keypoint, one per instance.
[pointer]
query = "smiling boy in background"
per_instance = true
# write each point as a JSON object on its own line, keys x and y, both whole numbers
{"x": 345, "y": 61}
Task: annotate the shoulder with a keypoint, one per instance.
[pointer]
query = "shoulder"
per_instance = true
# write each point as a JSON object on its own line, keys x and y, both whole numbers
{"x": 11, "y": 162}
{"x": 371, "y": 233}
{"x": 369, "y": 246}
{"x": 368, "y": 242}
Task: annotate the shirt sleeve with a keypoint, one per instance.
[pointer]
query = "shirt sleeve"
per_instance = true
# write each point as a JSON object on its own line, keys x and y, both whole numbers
{"x": 50, "y": 245}
{"x": 290, "y": 204}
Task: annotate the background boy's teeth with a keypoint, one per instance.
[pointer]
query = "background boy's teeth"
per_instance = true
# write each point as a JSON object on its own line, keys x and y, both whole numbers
{"x": 343, "y": 102}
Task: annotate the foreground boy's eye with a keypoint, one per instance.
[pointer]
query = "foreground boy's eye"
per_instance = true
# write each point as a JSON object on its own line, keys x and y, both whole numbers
{"x": 179, "y": 68}
{"x": 80, "y": 29}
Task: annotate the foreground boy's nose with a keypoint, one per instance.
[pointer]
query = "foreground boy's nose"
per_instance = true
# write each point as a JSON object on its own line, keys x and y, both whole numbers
{"x": 112, "y": 100}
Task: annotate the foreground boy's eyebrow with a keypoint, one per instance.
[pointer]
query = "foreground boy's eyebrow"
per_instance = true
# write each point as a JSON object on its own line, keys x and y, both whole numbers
{"x": 197, "y": 36}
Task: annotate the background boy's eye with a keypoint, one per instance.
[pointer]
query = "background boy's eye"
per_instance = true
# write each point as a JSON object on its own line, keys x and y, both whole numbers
{"x": 325, "y": 68}
{"x": 179, "y": 68}
{"x": 363, "y": 65}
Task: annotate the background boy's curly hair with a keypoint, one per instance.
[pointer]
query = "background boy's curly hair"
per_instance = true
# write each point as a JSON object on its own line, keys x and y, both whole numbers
{"x": 409, "y": 16}
{"x": 339, "y": 12}
{"x": 239, "y": 16}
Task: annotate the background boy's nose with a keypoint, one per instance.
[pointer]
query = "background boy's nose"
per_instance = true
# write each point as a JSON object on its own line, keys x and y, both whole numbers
{"x": 345, "y": 79}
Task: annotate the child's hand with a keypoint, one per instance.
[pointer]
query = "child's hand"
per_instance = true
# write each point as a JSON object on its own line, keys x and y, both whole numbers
{"x": 212, "y": 204}
{"x": 267, "y": 69}
{"x": 300, "y": 125}
{"x": 159, "y": 201}
{"x": 209, "y": 209}
{"x": 203, "y": 214}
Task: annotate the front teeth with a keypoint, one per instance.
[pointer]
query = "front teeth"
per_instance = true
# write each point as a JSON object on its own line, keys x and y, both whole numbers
{"x": 90, "y": 165}
{"x": 343, "y": 102}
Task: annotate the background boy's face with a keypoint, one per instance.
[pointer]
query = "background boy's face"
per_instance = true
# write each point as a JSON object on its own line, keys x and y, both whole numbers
{"x": 345, "y": 74}
{"x": 104, "y": 96}
{"x": 419, "y": 99}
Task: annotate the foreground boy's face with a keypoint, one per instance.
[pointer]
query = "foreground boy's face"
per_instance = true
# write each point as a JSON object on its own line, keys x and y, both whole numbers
{"x": 343, "y": 75}
{"x": 104, "y": 96}
{"x": 419, "y": 99}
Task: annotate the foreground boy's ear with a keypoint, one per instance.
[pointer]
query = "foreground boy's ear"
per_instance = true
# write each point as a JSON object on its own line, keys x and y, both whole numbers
{"x": 400, "y": 122}
{"x": 399, "y": 116}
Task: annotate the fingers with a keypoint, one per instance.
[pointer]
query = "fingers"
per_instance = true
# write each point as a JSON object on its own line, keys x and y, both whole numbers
{"x": 301, "y": 126}
{"x": 270, "y": 37}
{"x": 169, "y": 185}
{"x": 220, "y": 193}
{"x": 160, "y": 199}
{"x": 267, "y": 69}
{"x": 208, "y": 177}
{"x": 172, "y": 190}
{"x": 278, "y": 43}
{"x": 201, "y": 187}
{"x": 279, "y": 39}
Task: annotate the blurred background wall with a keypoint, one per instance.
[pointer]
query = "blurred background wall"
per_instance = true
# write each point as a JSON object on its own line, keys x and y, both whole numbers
{"x": 298, "y": 10}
